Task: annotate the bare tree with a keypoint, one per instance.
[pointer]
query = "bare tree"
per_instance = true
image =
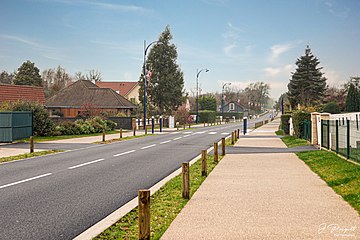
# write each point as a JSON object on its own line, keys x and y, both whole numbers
{"x": 93, "y": 76}
{"x": 55, "y": 80}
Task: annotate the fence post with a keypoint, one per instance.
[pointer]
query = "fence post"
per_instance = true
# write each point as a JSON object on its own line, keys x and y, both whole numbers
{"x": 337, "y": 135}
{"x": 134, "y": 133}
{"x": 204, "y": 165}
{"x": 238, "y": 133}
{"x": 328, "y": 134}
{"x": 222, "y": 146}
{"x": 144, "y": 214}
{"x": 348, "y": 139}
{"x": 103, "y": 135}
{"x": 216, "y": 152}
{"x": 120, "y": 132}
{"x": 232, "y": 138}
{"x": 245, "y": 125}
{"x": 185, "y": 180}
{"x": 31, "y": 144}
{"x": 322, "y": 133}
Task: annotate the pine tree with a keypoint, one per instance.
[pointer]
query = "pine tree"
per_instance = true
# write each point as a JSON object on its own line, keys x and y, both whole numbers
{"x": 165, "y": 87}
{"x": 28, "y": 74}
{"x": 307, "y": 85}
{"x": 353, "y": 99}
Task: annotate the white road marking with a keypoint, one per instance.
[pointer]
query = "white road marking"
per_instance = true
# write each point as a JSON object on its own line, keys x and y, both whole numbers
{"x": 165, "y": 142}
{"x": 187, "y": 132}
{"x": 212, "y": 133}
{"x": 174, "y": 132}
{"x": 152, "y": 145}
{"x": 116, "y": 155}
{"x": 198, "y": 132}
{"x": 25, "y": 180}
{"x": 87, "y": 163}
{"x": 177, "y": 138}
{"x": 186, "y": 135}
{"x": 225, "y": 133}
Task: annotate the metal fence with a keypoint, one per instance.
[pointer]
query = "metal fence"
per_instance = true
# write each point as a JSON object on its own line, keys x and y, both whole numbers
{"x": 15, "y": 125}
{"x": 306, "y": 130}
{"x": 342, "y": 137}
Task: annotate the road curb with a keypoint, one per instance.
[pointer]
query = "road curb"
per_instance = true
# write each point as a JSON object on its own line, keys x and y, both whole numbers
{"x": 105, "y": 223}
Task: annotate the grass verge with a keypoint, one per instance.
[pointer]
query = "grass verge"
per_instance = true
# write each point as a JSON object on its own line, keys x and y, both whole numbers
{"x": 342, "y": 176}
{"x": 28, "y": 155}
{"x": 280, "y": 132}
{"x": 165, "y": 206}
{"x": 292, "y": 141}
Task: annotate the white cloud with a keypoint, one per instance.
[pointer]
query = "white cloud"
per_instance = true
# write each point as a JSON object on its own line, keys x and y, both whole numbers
{"x": 279, "y": 49}
{"x": 284, "y": 70}
{"x": 229, "y": 49}
{"x": 333, "y": 78}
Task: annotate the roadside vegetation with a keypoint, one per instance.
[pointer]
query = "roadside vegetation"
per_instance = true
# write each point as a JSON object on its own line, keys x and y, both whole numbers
{"x": 339, "y": 174}
{"x": 28, "y": 155}
{"x": 166, "y": 204}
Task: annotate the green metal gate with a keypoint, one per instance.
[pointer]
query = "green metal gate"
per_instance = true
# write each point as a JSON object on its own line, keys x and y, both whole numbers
{"x": 15, "y": 125}
{"x": 306, "y": 130}
{"x": 325, "y": 132}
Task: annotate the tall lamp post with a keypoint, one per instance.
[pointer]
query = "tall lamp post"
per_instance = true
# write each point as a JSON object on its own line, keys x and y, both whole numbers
{"x": 222, "y": 97}
{"x": 145, "y": 51}
{"x": 197, "y": 92}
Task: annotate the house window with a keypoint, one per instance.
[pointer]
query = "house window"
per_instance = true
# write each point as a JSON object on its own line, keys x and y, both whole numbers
{"x": 231, "y": 106}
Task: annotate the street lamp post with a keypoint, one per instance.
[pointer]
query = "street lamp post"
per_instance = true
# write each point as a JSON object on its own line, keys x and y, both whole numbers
{"x": 222, "y": 98}
{"x": 197, "y": 92}
{"x": 145, "y": 51}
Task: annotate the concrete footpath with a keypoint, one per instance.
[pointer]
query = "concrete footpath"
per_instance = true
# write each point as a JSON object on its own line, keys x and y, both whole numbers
{"x": 257, "y": 195}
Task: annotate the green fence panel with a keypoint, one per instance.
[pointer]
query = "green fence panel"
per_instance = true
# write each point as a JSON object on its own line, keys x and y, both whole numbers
{"x": 15, "y": 125}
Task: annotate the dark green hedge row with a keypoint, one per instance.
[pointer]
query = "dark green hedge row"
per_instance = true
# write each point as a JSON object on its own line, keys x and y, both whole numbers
{"x": 285, "y": 123}
{"x": 298, "y": 118}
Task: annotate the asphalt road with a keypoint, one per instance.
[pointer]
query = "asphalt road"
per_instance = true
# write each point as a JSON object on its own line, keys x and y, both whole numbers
{"x": 59, "y": 196}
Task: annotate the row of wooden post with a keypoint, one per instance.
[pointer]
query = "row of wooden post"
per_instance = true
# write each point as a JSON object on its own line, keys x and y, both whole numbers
{"x": 144, "y": 195}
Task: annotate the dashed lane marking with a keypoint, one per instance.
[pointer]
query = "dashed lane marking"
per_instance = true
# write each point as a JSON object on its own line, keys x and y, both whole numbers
{"x": 87, "y": 163}
{"x": 116, "y": 155}
{"x": 25, "y": 180}
{"x": 152, "y": 145}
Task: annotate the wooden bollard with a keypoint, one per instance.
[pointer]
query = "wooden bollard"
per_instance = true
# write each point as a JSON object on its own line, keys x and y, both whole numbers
{"x": 185, "y": 180}
{"x": 120, "y": 132}
{"x": 235, "y": 134}
{"x": 145, "y": 130}
{"x": 144, "y": 214}
{"x": 184, "y": 126}
{"x": 134, "y": 133}
{"x": 238, "y": 133}
{"x": 31, "y": 144}
{"x": 189, "y": 125}
{"x": 204, "y": 124}
{"x": 232, "y": 138}
{"x": 222, "y": 146}
{"x": 204, "y": 164}
{"x": 103, "y": 135}
{"x": 216, "y": 152}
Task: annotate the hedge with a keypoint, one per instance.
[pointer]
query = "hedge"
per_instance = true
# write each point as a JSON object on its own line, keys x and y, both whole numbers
{"x": 230, "y": 115}
{"x": 285, "y": 123}
{"x": 207, "y": 116}
{"x": 298, "y": 118}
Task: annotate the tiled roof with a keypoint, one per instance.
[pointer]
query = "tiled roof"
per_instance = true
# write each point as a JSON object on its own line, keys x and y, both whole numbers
{"x": 11, "y": 93}
{"x": 85, "y": 92}
{"x": 124, "y": 88}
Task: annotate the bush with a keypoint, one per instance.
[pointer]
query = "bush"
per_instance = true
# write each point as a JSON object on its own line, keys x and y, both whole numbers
{"x": 298, "y": 118}
{"x": 285, "y": 123}
{"x": 207, "y": 116}
{"x": 80, "y": 126}
{"x": 332, "y": 108}
{"x": 42, "y": 124}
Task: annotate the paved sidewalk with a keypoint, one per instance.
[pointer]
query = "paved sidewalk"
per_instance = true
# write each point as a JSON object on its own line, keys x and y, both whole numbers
{"x": 264, "y": 196}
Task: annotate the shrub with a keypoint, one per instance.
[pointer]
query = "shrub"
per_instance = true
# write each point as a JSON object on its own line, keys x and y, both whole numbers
{"x": 42, "y": 124}
{"x": 298, "y": 118}
{"x": 80, "y": 126}
{"x": 332, "y": 108}
{"x": 285, "y": 123}
{"x": 230, "y": 115}
{"x": 207, "y": 116}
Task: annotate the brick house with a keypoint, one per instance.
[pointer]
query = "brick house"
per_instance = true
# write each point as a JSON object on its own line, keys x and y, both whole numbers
{"x": 85, "y": 98}
{"x": 13, "y": 93}
{"x": 130, "y": 90}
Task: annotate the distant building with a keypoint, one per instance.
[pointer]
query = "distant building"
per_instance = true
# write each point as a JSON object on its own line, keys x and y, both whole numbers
{"x": 13, "y": 93}
{"x": 84, "y": 97}
{"x": 130, "y": 90}
{"x": 233, "y": 107}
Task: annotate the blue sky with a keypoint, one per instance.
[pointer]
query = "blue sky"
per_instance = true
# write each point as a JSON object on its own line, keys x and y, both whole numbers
{"x": 238, "y": 41}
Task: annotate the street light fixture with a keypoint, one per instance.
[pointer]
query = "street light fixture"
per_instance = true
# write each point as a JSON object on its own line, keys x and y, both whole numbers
{"x": 197, "y": 92}
{"x": 222, "y": 98}
{"x": 145, "y": 51}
